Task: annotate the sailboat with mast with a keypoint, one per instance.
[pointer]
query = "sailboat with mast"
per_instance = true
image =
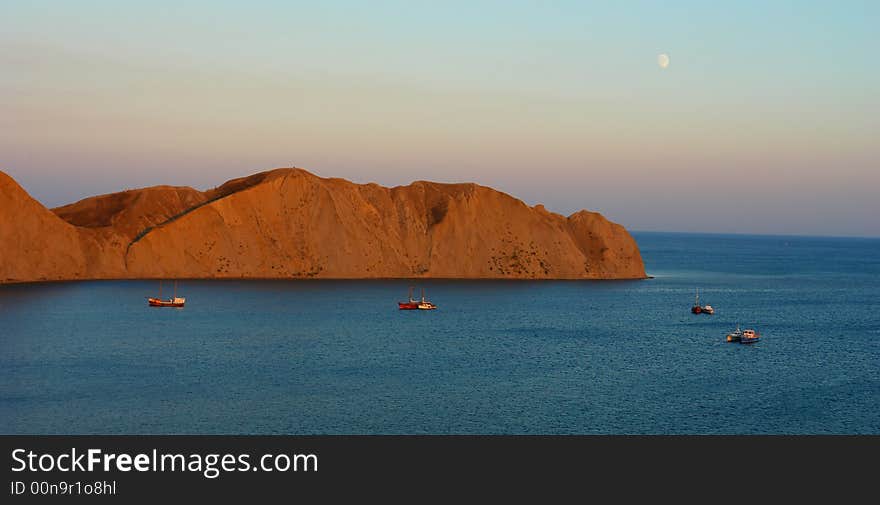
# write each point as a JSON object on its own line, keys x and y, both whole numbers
{"x": 425, "y": 304}
{"x": 697, "y": 309}
{"x": 412, "y": 304}
{"x": 175, "y": 301}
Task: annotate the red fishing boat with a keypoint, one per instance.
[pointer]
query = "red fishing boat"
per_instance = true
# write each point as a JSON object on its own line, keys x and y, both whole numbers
{"x": 412, "y": 304}
{"x": 697, "y": 309}
{"x": 175, "y": 301}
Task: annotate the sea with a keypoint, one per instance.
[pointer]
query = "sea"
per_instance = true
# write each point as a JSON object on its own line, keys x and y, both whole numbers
{"x": 496, "y": 357}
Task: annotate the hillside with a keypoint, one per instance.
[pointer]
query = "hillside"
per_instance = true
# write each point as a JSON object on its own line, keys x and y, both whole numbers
{"x": 289, "y": 223}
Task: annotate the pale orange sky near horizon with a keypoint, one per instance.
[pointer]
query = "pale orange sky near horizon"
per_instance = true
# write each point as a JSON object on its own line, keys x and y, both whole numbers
{"x": 765, "y": 121}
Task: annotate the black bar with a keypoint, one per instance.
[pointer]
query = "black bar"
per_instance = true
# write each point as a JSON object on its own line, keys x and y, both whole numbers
{"x": 385, "y": 466}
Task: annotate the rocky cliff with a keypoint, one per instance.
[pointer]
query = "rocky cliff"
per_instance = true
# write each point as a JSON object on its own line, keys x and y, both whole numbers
{"x": 289, "y": 223}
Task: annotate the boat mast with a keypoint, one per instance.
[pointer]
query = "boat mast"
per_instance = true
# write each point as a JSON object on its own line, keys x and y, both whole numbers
{"x": 175, "y": 289}
{"x": 160, "y": 289}
{"x": 423, "y": 295}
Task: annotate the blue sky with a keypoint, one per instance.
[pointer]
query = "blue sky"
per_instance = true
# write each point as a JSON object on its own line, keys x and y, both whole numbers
{"x": 765, "y": 121}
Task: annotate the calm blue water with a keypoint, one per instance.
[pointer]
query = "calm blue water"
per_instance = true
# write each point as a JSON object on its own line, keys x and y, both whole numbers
{"x": 617, "y": 357}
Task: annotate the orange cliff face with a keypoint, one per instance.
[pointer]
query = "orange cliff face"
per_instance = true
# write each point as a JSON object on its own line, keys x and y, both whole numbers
{"x": 289, "y": 223}
{"x": 129, "y": 212}
{"x": 37, "y": 245}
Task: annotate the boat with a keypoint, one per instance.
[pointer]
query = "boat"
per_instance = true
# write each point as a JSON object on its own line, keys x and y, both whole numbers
{"x": 735, "y": 335}
{"x": 175, "y": 301}
{"x": 425, "y": 304}
{"x": 749, "y": 337}
{"x": 412, "y": 304}
{"x": 698, "y": 309}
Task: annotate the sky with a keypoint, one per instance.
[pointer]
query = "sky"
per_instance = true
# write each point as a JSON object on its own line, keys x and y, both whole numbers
{"x": 765, "y": 121}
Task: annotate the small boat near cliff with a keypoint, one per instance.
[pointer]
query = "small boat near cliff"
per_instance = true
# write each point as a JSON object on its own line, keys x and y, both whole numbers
{"x": 412, "y": 304}
{"x": 425, "y": 304}
{"x": 175, "y": 301}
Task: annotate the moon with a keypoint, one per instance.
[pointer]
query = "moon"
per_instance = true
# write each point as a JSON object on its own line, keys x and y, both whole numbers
{"x": 663, "y": 60}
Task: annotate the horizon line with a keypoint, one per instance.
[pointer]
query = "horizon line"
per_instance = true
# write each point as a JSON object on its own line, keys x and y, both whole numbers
{"x": 751, "y": 234}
